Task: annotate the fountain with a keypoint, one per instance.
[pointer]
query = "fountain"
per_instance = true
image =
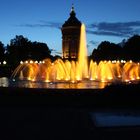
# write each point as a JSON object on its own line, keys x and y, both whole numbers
{"x": 58, "y": 70}
{"x": 78, "y": 71}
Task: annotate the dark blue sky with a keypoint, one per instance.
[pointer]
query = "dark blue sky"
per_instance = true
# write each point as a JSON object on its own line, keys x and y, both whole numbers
{"x": 40, "y": 20}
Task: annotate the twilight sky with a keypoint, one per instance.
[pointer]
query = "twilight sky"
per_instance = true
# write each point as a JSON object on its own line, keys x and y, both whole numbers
{"x": 41, "y": 20}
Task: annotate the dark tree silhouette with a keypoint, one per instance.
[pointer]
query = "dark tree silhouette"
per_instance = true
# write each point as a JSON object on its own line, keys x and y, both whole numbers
{"x": 107, "y": 51}
{"x": 132, "y": 48}
{"x": 2, "y": 50}
{"x": 128, "y": 50}
{"x": 39, "y": 51}
{"x": 18, "y": 49}
{"x": 21, "y": 49}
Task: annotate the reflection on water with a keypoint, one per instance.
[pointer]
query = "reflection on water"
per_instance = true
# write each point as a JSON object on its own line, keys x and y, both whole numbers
{"x": 5, "y": 82}
{"x": 116, "y": 118}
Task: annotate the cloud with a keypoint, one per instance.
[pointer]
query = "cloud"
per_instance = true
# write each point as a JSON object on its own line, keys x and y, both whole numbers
{"x": 56, "y": 52}
{"x": 92, "y": 42}
{"x": 107, "y": 33}
{"x": 119, "y": 29}
{"x": 42, "y": 24}
{"x": 116, "y": 29}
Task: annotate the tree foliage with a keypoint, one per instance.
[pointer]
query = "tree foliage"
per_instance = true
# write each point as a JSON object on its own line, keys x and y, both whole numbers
{"x": 21, "y": 49}
{"x": 130, "y": 50}
{"x": 39, "y": 51}
{"x": 2, "y": 50}
{"x": 18, "y": 49}
{"x": 107, "y": 51}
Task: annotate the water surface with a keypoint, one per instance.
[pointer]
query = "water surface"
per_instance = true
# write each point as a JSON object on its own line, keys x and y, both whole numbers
{"x": 5, "y": 82}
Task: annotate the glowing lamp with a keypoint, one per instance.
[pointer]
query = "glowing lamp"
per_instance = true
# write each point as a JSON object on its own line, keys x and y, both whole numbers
{"x": 4, "y": 62}
{"x": 21, "y": 62}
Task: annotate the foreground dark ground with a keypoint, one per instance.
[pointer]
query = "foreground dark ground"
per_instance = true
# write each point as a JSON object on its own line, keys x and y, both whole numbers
{"x": 47, "y": 114}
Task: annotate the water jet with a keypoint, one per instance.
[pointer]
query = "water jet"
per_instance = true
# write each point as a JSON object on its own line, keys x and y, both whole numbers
{"x": 74, "y": 67}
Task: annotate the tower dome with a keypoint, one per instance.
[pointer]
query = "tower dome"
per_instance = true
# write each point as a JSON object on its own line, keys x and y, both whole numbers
{"x": 71, "y": 36}
{"x": 72, "y": 20}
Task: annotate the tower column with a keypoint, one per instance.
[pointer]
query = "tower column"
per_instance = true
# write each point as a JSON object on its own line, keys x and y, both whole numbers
{"x": 71, "y": 37}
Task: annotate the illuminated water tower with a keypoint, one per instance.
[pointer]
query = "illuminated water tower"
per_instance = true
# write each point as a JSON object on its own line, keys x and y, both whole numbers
{"x": 71, "y": 37}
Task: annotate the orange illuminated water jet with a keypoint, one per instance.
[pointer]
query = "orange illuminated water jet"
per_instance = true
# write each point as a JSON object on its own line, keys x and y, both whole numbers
{"x": 81, "y": 70}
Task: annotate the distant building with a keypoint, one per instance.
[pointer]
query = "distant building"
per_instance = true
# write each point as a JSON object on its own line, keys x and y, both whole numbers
{"x": 71, "y": 37}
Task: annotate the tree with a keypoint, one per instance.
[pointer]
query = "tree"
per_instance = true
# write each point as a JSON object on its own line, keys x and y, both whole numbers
{"x": 21, "y": 49}
{"x": 39, "y": 51}
{"x": 18, "y": 49}
{"x": 107, "y": 51}
{"x": 2, "y": 50}
{"x": 132, "y": 48}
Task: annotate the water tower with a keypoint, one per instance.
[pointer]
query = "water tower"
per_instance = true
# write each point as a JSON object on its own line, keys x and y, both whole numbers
{"x": 71, "y": 37}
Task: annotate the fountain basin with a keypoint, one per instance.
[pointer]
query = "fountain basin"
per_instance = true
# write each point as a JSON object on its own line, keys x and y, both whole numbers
{"x": 120, "y": 96}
